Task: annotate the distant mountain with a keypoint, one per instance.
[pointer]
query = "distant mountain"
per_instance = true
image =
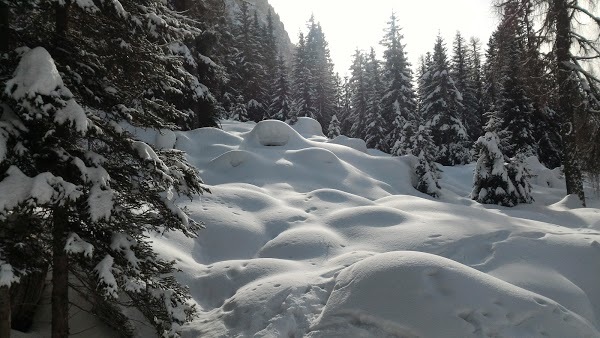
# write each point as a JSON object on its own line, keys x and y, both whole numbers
{"x": 262, "y": 8}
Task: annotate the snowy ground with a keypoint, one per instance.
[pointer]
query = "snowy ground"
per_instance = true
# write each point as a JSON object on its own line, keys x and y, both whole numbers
{"x": 323, "y": 238}
{"x": 314, "y": 237}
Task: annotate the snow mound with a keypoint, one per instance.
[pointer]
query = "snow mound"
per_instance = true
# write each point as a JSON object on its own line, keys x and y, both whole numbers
{"x": 270, "y": 133}
{"x": 403, "y": 293}
{"x": 231, "y": 159}
{"x": 542, "y": 175}
{"x": 292, "y": 215}
{"x": 354, "y": 143}
{"x": 308, "y": 127}
{"x": 568, "y": 202}
{"x": 303, "y": 243}
{"x": 313, "y": 156}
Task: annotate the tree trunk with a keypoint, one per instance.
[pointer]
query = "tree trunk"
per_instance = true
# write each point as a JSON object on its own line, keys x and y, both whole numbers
{"x": 25, "y": 297}
{"x": 566, "y": 93}
{"x": 5, "y": 312}
{"x": 60, "y": 276}
{"x": 62, "y": 18}
{"x": 4, "y": 26}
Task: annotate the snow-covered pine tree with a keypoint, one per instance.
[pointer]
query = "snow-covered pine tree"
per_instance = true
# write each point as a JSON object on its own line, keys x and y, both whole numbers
{"x": 515, "y": 109}
{"x": 460, "y": 72}
{"x": 477, "y": 80}
{"x": 334, "y": 128}
{"x": 301, "y": 90}
{"x": 398, "y": 103}
{"x": 426, "y": 169}
{"x": 359, "y": 96}
{"x": 493, "y": 182}
{"x": 441, "y": 104}
{"x": 71, "y": 139}
{"x": 93, "y": 178}
{"x": 321, "y": 75}
{"x": 281, "y": 96}
{"x": 345, "y": 117}
{"x": 520, "y": 177}
{"x": 375, "y": 125}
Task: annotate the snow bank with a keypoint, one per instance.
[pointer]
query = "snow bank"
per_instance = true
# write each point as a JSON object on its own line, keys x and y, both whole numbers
{"x": 413, "y": 294}
{"x": 313, "y": 237}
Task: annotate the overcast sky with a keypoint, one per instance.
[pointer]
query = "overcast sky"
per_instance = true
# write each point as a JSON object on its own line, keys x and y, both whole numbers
{"x": 349, "y": 24}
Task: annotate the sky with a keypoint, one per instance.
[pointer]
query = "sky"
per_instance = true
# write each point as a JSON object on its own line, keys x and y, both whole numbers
{"x": 351, "y": 24}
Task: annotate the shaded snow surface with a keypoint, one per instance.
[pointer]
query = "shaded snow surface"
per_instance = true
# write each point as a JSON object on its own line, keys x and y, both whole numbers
{"x": 314, "y": 237}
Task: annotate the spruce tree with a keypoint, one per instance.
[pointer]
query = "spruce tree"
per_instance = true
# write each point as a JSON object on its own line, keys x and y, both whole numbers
{"x": 492, "y": 183}
{"x": 359, "y": 96}
{"x": 334, "y": 128}
{"x": 281, "y": 102}
{"x": 321, "y": 76}
{"x": 426, "y": 169}
{"x": 301, "y": 90}
{"x": 63, "y": 110}
{"x": 398, "y": 104}
{"x": 375, "y": 125}
{"x": 461, "y": 73}
{"x": 441, "y": 106}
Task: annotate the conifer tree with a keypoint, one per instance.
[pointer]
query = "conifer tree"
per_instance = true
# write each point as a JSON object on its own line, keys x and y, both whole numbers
{"x": 426, "y": 169}
{"x": 494, "y": 180}
{"x": 460, "y": 71}
{"x": 334, "y": 128}
{"x": 477, "y": 80}
{"x": 441, "y": 106}
{"x": 398, "y": 104}
{"x": 301, "y": 90}
{"x": 359, "y": 96}
{"x": 62, "y": 106}
{"x": 280, "y": 104}
{"x": 375, "y": 125}
{"x": 321, "y": 76}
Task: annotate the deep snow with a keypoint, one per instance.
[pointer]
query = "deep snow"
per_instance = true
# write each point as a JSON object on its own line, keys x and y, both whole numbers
{"x": 313, "y": 237}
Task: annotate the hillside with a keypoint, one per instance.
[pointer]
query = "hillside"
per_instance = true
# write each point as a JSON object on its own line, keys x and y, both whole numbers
{"x": 314, "y": 237}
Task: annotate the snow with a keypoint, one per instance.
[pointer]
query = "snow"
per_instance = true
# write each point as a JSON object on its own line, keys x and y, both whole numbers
{"x": 313, "y": 237}
{"x": 76, "y": 245}
{"x": 73, "y": 113}
{"x": 35, "y": 74}
{"x": 106, "y": 277}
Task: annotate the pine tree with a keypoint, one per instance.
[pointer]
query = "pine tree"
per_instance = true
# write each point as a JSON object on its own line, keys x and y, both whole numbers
{"x": 398, "y": 104}
{"x": 426, "y": 169}
{"x": 359, "y": 96}
{"x": 334, "y": 128}
{"x": 477, "y": 80}
{"x": 63, "y": 134}
{"x": 492, "y": 183}
{"x": 280, "y": 106}
{"x": 301, "y": 90}
{"x": 460, "y": 72}
{"x": 375, "y": 125}
{"x": 440, "y": 106}
{"x": 515, "y": 110}
{"x": 321, "y": 76}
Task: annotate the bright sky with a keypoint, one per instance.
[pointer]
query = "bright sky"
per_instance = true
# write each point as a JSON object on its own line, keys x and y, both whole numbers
{"x": 349, "y": 24}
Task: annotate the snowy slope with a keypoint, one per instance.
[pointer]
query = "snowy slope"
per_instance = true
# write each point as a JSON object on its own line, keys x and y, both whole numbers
{"x": 314, "y": 237}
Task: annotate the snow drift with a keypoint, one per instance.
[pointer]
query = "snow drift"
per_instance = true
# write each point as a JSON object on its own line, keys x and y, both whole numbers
{"x": 308, "y": 236}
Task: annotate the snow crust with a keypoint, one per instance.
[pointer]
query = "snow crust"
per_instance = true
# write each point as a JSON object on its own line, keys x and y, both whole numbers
{"x": 313, "y": 237}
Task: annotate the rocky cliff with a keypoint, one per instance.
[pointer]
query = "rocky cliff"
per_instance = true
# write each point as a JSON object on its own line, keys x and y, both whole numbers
{"x": 262, "y": 8}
